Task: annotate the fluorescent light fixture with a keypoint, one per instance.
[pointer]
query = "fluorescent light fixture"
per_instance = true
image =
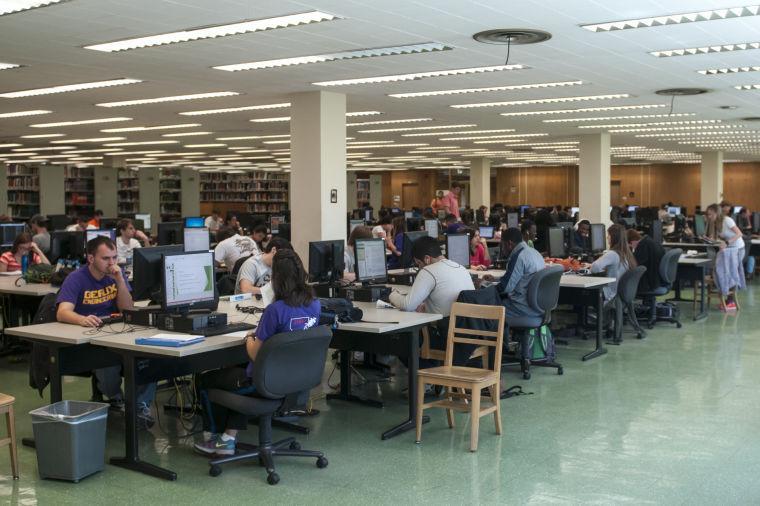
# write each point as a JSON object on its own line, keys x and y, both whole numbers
{"x": 251, "y": 137}
{"x": 654, "y": 123}
{"x": 8, "y": 66}
{"x": 277, "y": 142}
{"x": 213, "y": 31}
{"x": 49, "y": 148}
{"x": 141, "y": 143}
{"x": 706, "y": 49}
{"x": 119, "y": 152}
{"x": 13, "y": 6}
{"x": 420, "y": 75}
{"x": 175, "y": 98}
{"x": 670, "y": 129}
{"x": 68, "y": 87}
{"x": 480, "y": 90}
{"x": 277, "y": 119}
{"x": 42, "y": 136}
{"x": 608, "y": 118}
{"x": 502, "y": 138}
{"x": 20, "y": 114}
{"x": 585, "y": 109}
{"x": 342, "y": 55}
{"x": 729, "y": 70}
{"x": 212, "y": 145}
{"x": 688, "y": 134}
{"x": 362, "y": 113}
{"x": 81, "y": 122}
{"x": 147, "y": 128}
{"x": 410, "y": 129}
{"x": 675, "y": 19}
{"x": 463, "y": 132}
{"x": 357, "y": 143}
{"x": 251, "y": 150}
{"x": 91, "y": 139}
{"x": 82, "y": 151}
{"x": 367, "y": 146}
{"x": 390, "y": 121}
{"x": 282, "y": 105}
{"x": 187, "y": 134}
{"x": 557, "y": 100}
{"x": 748, "y": 87}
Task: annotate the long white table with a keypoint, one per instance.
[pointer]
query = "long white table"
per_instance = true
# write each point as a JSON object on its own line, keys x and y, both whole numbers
{"x": 9, "y": 286}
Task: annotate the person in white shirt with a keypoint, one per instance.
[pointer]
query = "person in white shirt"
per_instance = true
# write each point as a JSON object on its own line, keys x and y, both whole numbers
{"x": 128, "y": 239}
{"x": 231, "y": 247}
{"x": 214, "y": 222}
{"x": 349, "y": 260}
{"x": 81, "y": 225}
{"x": 729, "y": 271}
{"x": 257, "y": 270}
{"x": 384, "y": 230}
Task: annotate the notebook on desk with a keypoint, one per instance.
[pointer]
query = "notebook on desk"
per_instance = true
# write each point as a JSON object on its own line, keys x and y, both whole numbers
{"x": 172, "y": 340}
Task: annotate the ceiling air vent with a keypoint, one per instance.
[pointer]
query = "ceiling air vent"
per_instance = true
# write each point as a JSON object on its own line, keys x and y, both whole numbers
{"x": 512, "y": 36}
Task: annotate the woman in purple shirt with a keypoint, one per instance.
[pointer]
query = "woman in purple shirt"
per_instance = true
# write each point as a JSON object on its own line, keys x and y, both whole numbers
{"x": 294, "y": 308}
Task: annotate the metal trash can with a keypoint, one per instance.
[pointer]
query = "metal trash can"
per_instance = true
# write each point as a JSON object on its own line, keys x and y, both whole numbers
{"x": 70, "y": 438}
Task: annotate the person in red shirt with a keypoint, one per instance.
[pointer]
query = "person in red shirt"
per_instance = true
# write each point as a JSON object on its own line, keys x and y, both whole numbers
{"x": 10, "y": 261}
{"x": 451, "y": 200}
{"x": 95, "y": 221}
{"x": 478, "y": 253}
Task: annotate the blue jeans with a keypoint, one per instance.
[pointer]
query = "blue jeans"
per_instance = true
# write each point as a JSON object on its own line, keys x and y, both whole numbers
{"x": 750, "y": 267}
{"x": 109, "y": 383}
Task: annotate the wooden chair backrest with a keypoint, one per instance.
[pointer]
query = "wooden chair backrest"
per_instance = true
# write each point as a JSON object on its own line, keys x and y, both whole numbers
{"x": 493, "y": 338}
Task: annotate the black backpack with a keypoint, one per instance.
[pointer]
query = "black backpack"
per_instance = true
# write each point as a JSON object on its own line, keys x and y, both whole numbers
{"x": 337, "y": 310}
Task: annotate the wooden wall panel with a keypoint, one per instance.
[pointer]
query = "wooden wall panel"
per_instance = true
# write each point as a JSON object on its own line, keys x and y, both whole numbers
{"x": 741, "y": 184}
{"x": 394, "y": 181}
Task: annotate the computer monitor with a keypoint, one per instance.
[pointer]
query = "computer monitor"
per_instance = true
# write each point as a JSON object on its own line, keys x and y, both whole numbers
{"x": 431, "y": 227}
{"x": 524, "y": 208}
{"x": 326, "y": 263}
{"x": 58, "y": 221}
{"x": 700, "y": 225}
{"x": 352, "y": 224}
{"x": 598, "y": 239}
{"x": 756, "y": 222}
{"x": 170, "y": 232}
{"x": 188, "y": 282}
{"x": 368, "y": 215}
{"x": 194, "y": 222}
{"x": 274, "y": 223}
{"x": 408, "y": 214}
{"x": 632, "y": 209}
{"x": 106, "y": 223}
{"x": 557, "y": 243}
{"x": 370, "y": 266}
{"x": 145, "y": 217}
{"x": 9, "y": 231}
{"x": 486, "y": 232}
{"x": 91, "y": 234}
{"x": 196, "y": 239}
{"x": 737, "y": 210}
{"x": 66, "y": 245}
{"x": 629, "y": 222}
{"x": 458, "y": 249}
{"x": 575, "y": 210}
{"x": 395, "y": 211}
{"x": 407, "y": 260}
{"x": 513, "y": 220}
{"x": 674, "y": 210}
{"x": 146, "y": 270}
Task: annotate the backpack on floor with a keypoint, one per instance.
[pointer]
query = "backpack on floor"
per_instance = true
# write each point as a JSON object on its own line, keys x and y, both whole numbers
{"x": 538, "y": 345}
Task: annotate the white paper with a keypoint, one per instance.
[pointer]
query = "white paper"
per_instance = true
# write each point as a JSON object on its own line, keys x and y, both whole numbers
{"x": 384, "y": 305}
{"x": 11, "y": 273}
{"x": 240, "y": 334}
{"x": 267, "y": 294}
{"x": 174, "y": 337}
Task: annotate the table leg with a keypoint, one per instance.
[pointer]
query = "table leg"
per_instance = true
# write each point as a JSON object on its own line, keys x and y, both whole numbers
{"x": 414, "y": 359}
{"x": 345, "y": 384}
{"x": 702, "y": 296}
{"x": 132, "y": 460}
{"x": 600, "y": 350}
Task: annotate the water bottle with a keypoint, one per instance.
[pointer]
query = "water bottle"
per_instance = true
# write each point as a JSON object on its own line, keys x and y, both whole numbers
{"x": 24, "y": 264}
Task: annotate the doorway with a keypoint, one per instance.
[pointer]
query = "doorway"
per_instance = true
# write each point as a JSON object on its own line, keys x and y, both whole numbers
{"x": 410, "y": 195}
{"x": 616, "y": 195}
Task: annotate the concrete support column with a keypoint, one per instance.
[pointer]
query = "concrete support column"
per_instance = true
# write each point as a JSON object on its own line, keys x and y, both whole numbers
{"x": 351, "y": 193}
{"x": 480, "y": 182}
{"x": 52, "y": 189}
{"x": 711, "y": 185}
{"x": 318, "y": 168}
{"x": 107, "y": 185}
{"x": 594, "y": 178}
{"x": 376, "y": 192}
{"x": 191, "y": 192}
{"x": 150, "y": 189}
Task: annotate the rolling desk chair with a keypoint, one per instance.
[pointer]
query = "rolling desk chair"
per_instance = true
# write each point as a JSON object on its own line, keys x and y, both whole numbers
{"x": 668, "y": 270}
{"x": 626, "y": 296}
{"x": 286, "y": 365}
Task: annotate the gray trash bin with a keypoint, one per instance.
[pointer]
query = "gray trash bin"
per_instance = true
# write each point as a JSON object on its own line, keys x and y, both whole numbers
{"x": 70, "y": 438}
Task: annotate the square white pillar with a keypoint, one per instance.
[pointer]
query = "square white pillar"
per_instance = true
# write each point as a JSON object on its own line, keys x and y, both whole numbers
{"x": 191, "y": 192}
{"x": 594, "y": 178}
{"x": 711, "y": 182}
{"x": 480, "y": 182}
{"x": 317, "y": 168}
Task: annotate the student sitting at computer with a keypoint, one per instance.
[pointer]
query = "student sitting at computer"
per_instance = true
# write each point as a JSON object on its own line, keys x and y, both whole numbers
{"x": 128, "y": 238}
{"x": 41, "y": 236}
{"x": 257, "y": 270}
{"x": 349, "y": 255}
{"x": 80, "y": 225}
{"x": 214, "y": 222}
{"x": 384, "y": 230}
{"x": 11, "y": 261}
{"x": 616, "y": 260}
{"x": 233, "y": 223}
{"x": 479, "y": 259}
{"x": 94, "y": 291}
{"x": 582, "y": 236}
{"x": 649, "y": 254}
{"x": 744, "y": 221}
{"x": 453, "y": 226}
{"x": 294, "y": 308}
{"x": 95, "y": 221}
{"x": 231, "y": 247}
{"x": 399, "y": 228}
{"x": 437, "y": 202}
{"x": 728, "y": 262}
{"x": 258, "y": 234}
{"x": 528, "y": 231}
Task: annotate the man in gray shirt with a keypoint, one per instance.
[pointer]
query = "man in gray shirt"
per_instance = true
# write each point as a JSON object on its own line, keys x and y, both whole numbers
{"x": 41, "y": 237}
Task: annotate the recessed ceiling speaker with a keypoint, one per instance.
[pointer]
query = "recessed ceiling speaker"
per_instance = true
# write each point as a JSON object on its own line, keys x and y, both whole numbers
{"x": 512, "y": 36}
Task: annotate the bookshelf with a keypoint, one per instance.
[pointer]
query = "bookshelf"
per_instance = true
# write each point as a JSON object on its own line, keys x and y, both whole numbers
{"x": 362, "y": 192}
{"x": 170, "y": 195}
{"x": 257, "y": 192}
{"x": 79, "y": 187}
{"x": 23, "y": 191}
{"x": 128, "y": 193}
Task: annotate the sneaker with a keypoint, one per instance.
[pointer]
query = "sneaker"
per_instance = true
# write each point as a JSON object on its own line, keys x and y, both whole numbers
{"x": 145, "y": 418}
{"x": 116, "y": 404}
{"x": 216, "y": 446}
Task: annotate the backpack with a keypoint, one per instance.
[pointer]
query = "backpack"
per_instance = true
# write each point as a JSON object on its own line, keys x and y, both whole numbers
{"x": 37, "y": 273}
{"x": 335, "y": 310}
{"x": 538, "y": 345}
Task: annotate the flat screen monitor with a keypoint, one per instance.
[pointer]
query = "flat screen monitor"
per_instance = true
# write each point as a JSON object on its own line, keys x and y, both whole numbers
{"x": 575, "y": 210}
{"x": 196, "y": 239}
{"x": 629, "y": 222}
{"x": 368, "y": 215}
{"x": 188, "y": 282}
{"x": 370, "y": 261}
{"x": 674, "y": 210}
{"x": 431, "y": 227}
{"x": 10, "y": 231}
{"x": 486, "y": 232}
{"x": 513, "y": 220}
{"x": 738, "y": 209}
{"x": 524, "y": 208}
{"x": 66, "y": 245}
{"x": 699, "y": 225}
{"x": 326, "y": 263}
{"x": 145, "y": 217}
{"x": 274, "y": 223}
{"x": 632, "y": 209}
{"x": 407, "y": 260}
{"x": 91, "y": 234}
{"x": 598, "y": 241}
{"x": 194, "y": 222}
{"x": 169, "y": 232}
{"x": 352, "y": 224}
{"x": 458, "y": 249}
{"x": 408, "y": 214}
{"x": 146, "y": 271}
{"x": 395, "y": 211}
{"x": 58, "y": 221}
{"x": 557, "y": 243}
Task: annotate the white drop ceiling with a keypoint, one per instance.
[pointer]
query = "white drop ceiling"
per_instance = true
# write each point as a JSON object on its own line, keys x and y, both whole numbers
{"x": 48, "y": 44}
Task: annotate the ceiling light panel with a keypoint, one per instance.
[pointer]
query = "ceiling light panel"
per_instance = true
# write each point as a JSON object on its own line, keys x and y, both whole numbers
{"x": 81, "y": 122}
{"x": 92, "y": 139}
{"x": 147, "y": 128}
{"x": 264, "y": 107}
{"x": 748, "y": 87}
{"x": 141, "y": 143}
{"x": 68, "y": 87}
{"x": 390, "y": 122}
{"x": 557, "y": 100}
{"x": 342, "y": 55}
{"x": 175, "y": 98}
{"x": 42, "y": 136}
{"x": 420, "y": 75}
{"x": 463, "y": 132}
{"x": 214, "y": 31}
{"x": 460, "y": 91}
{"x": 187, "y": 134}
{"x": 50, "y": 148}
{"x": 276, "y": 119}
{"x": 654, "y": 123}
{"x": 729, "y": 70}
{"x": 675, "y": 19}
{"x": 706, "y": 49}
{"x": 613, "y": 118}
{"x": 584, "y": 109}
{"x": 211, "y": 145}
{"x": 8, "y": 66}
{"x": 409, "y": 129}
{"x": 20, "y": 114}
{"x": 13, "y": 6}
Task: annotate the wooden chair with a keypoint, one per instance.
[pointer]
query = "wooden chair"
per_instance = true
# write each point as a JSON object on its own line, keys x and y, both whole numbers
{"x": 6, "y": 407}
{"x": 466, "y": 378}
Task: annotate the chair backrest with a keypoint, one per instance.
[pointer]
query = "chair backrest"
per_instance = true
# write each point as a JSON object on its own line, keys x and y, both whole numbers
{"x": 669, "y": 265}
{"x": 238, "y": 264}
{"x": 628, "y": 284}
{"x": 46, "y": 311}
{"x": 461, "y": 311}
{"x": 291, "y": 362}
{"x": 543, "y": 290}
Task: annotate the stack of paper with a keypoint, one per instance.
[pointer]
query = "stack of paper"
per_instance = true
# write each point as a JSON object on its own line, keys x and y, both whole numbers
{"x": 173, "y": 340}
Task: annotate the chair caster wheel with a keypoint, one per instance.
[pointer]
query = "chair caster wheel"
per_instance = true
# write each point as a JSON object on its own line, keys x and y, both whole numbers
{"x": 215, "y": 471}
{"x": 640, "y": 335}
{"x": 650, "y": 326}
{"x": 678, "y": 325}
{"x": 295, "y": 445}
{"x": 322, "y": 462}
{"x": 560, "y": 371}
{"x": 526, "y": 375}
{"x": 273, "y": 479}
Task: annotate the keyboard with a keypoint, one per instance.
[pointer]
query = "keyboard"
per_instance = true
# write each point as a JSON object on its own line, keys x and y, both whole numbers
{"x": 225, "y": 329}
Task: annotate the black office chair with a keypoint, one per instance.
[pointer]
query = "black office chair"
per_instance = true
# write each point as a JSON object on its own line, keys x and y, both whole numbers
{"x": 628, "y": 284}
{"x": 543, "y": 295}
{"x": 668, "y": 270}
{"x": 286, "y": 365}
{"x": 226, "y": 283}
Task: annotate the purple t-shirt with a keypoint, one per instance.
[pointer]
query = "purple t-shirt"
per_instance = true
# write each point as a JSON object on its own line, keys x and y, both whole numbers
{"x": 280, "y": 317}
{"x": 89, "y": 296}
